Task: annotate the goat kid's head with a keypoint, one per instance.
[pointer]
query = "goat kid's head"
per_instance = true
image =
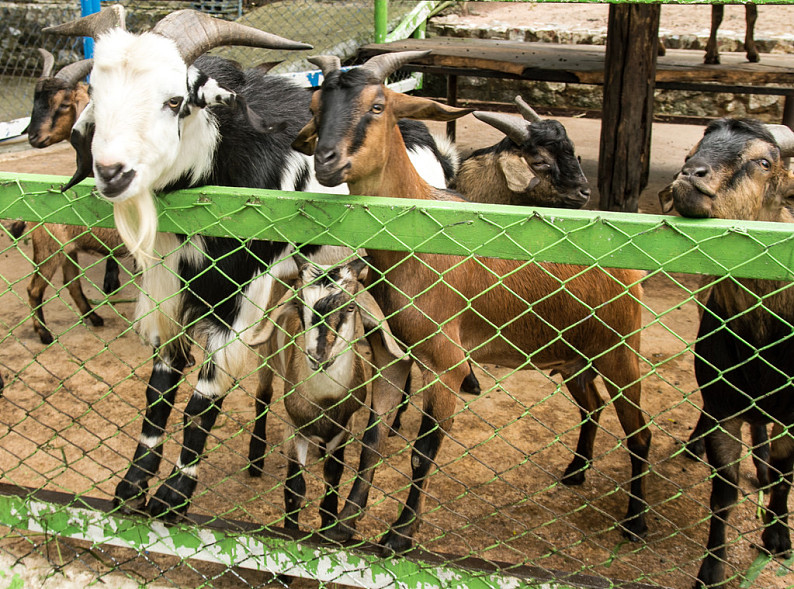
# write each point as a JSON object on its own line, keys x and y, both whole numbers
{"x": 57, "y": 101}
{"x": 355, "y": 117}
{"x": 327, "y": 301}
{"x": 547, "y": 169}
{"x": 735, "y": 172}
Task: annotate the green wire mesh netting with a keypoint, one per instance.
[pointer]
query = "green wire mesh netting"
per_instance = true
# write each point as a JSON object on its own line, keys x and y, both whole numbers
{"x": 495, "y": 509}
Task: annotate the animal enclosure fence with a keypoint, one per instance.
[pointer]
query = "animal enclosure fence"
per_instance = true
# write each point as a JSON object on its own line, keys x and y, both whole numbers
{"x": 332, "y": 27}
{"x": 496, "y": 512}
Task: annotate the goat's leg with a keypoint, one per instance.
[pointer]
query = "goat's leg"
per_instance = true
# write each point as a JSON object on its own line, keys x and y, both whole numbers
{"x": 160, "y": 395}
{"x": 111, "y": 283}
{"x": 258, "y": 443}
{"x": 71, "y": 278}
{"x": 723, "y": 449}
{"x": 712, "y": 51}
{"x": 439, "y": 409}
{"x": 332, "y": 473}
{"x": 696, "y": 445}
{"x": 295, "y": 485}
{"x": 46, "y": 261}
{"x": 590, "y": 403}
{"x": 621, "y": 373}
{"x": 387, "y": 391}
{"x": 214, "y": 381}
{"x": 751, "y": 15}
{"x": 776, "y": 536}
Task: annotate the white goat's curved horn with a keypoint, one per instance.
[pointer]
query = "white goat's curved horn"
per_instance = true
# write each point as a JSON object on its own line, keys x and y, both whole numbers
{"x": 195, "y": 33}
{"x": 526, "y": 111}
{"x": 516, "y": 129}
{"x": 381, "y": 66}
{"x": 76, "y": 71}
{"x": 326, "y": 63}
{"x": 49, "y": 62}
{"x": 93, "y": 25}
{"x": 784, "y": 137}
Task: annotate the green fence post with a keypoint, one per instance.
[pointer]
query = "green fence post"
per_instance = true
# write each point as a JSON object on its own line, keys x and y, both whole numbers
{"x": 381, "y": 20}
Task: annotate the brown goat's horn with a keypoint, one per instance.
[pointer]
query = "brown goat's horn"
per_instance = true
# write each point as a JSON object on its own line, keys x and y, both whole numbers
{"x": 196, "y": 33}
{"x": 526, "y": 111}
{"x": 93, "y": 25}
{"x": 514, "y": 128}
{"x": 784, "y": 137}
{"x": 74, "y": 72}
{"x": 382, "y": 66}
{"x": 49, "y": 62}
{"x": 326, "y": 63}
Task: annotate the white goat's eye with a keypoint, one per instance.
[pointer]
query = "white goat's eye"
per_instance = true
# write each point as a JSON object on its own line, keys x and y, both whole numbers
{"x": 377, "y": 108}
{"x": 174, "y": 103}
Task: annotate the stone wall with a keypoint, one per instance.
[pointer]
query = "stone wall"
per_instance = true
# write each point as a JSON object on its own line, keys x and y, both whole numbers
{"x": 668, "y": 102}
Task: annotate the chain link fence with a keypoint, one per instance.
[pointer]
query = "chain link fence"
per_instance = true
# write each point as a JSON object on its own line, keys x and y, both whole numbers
{"x": 496, "y": 511}
{"x": 336, "y": 27}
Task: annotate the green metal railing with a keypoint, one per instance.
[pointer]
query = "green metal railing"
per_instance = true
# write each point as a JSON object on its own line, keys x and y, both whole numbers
{"x": 659, "y": 245}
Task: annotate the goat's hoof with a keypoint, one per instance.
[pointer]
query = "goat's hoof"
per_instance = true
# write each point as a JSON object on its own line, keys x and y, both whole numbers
{"x": 338, "y": 533}
{"x": 753, "y": 57}
{"x": 45, "y": 337}
{"x": 777, "y": 540}
{"x": 762, "y": 474}
{"x": 712, "y": 60}
{"x": 255, "y": 468}
{"x": 167, "y": 504}
{"x": 634, "y": 529}
{"x": 130, "y": 498}
{"x": 111, "y": 286}
{"x": 470, "y": 385}
{"x": 395, "y": 543}
{"x": 574, "y": 475}
{"x": 96, "y": 320}
{"x": 695, "y": 449}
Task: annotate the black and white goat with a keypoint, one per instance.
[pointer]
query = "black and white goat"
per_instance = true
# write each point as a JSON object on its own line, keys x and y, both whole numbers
{"x": 159, "y": 122}
{"x": 310, "y": 342}
{"x": 743, "y": 353}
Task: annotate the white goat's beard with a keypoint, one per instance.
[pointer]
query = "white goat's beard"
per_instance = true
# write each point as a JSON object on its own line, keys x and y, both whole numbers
{"x": 136, "y": 220}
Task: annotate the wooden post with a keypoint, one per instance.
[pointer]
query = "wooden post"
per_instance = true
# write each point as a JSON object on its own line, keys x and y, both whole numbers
{"x": 629, "y": 72}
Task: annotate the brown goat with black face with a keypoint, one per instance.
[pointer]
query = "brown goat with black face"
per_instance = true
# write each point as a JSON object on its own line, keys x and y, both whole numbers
{"x": 506, "y": 312}
{"x": 744, "y": 349}
{"x": 57, "y": 101}
{"x": 535, "y": 165}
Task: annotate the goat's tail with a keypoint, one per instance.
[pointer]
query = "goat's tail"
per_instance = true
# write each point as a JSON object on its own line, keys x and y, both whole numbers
{"x": 15, "y": 228}
{"x": 450, "y": 157}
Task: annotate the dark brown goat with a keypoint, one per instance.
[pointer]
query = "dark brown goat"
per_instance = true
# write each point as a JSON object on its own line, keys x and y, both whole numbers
{"x": 502, "y": 311}
{"x": 744, "y": 347}
{"x": 535, "y": 165}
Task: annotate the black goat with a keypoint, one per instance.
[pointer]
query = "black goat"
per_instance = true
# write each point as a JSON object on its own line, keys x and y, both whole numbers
{"x": 744, "y": 346}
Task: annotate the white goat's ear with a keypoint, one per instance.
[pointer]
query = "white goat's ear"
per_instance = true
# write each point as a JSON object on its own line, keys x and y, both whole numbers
{"x": 380, "y": 335}
{"x": 267, "y": 327}
{"x": 666, "y": 199}
{"x": 516, "y": 170}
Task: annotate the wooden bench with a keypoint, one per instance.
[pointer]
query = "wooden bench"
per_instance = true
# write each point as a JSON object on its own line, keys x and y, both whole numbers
{"x": 584, "y": 64}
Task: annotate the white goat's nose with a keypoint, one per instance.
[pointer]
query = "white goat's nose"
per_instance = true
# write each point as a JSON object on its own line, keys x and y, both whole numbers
{"x": 114, "y": 180}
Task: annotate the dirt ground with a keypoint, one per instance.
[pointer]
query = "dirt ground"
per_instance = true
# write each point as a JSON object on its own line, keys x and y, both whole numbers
{"x": 71, "y": 419}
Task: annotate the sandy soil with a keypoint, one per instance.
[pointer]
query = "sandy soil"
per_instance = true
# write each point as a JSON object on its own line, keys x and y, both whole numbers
{"x": 70, "y": 422}
{"x": 773, "y": 21}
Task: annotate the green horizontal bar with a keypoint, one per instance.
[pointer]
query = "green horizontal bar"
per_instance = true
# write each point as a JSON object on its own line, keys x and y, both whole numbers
{"x": 621, "y": 240}
{"x": 83, "y": 520}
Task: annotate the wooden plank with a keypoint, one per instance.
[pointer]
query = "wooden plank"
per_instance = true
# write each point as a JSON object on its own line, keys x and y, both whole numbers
{"x": 585, "y": 63}
{"x": 625, "y": 147}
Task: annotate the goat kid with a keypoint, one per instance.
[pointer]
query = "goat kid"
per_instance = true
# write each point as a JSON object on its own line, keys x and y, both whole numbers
{"x": 743, "y": 350}
{"x": 310, "y": 340}
{"x": 505, "y": 312}
{"x": 156, "y": 123}
{"x": 534, "y": 165}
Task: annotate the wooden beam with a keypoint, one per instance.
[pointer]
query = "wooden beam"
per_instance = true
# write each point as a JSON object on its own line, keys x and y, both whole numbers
{"x": 629, "y": 74}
